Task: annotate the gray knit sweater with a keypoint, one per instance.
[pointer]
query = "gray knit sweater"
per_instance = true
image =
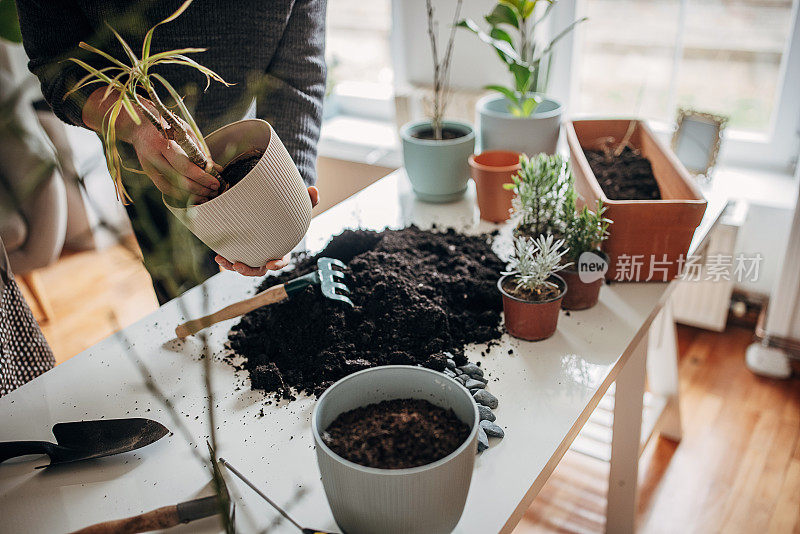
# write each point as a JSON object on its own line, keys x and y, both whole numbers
{"x": 273, "y": 51}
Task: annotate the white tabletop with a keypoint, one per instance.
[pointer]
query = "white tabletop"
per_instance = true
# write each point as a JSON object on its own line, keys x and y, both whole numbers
{"x": 547, "y": 390}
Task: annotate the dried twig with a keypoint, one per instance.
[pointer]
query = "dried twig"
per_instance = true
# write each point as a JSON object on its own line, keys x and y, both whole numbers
{"x": 441, "y": 67}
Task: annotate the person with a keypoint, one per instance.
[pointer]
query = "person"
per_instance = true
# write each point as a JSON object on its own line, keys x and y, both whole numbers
{"x": 271, "y": 52}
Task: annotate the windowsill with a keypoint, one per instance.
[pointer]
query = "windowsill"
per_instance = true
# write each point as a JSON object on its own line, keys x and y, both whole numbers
{"x": 370, "y": 141}
{"x": 756, "y": 186}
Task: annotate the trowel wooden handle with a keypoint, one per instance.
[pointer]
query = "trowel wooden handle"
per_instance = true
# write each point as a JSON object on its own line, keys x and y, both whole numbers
{"x": 268, "y": 296}
{"x": 157, "y": 519}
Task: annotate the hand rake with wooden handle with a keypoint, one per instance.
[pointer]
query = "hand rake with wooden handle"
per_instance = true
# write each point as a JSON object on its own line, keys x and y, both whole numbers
{"x": 325, "y": 277}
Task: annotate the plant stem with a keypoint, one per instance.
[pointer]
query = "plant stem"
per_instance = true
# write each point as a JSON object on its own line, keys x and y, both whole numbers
{"x": 180, "y": 135}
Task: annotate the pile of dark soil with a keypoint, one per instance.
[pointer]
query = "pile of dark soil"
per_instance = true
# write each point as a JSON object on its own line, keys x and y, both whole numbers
{"x": 627, "y": 177}
{"x": 416, "y": 294}
{"x": 396, "y": 434}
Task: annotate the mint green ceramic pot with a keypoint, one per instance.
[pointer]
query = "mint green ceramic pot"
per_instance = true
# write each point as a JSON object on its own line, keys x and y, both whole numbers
{"x": 437, "y": 169}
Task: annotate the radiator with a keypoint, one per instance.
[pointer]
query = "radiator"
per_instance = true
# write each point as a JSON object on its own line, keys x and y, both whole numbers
{"x": 704, "y": 303}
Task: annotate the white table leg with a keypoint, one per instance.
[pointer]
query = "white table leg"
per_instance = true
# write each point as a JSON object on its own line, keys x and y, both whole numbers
{"x": 662, "y": 371}
{"x": 628, "y": 404}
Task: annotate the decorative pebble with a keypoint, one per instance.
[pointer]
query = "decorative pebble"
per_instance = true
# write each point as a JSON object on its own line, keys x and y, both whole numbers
{"x": 450, "y": 373}
{"x": 486, "y": 413}
{"x": 487, "y": 399}
{"x": 472, "y": 369}
{"x": 474, "y": 384}
{"x": 480, "y": 379}
{"x": 451, "y": 364}
{"x": 459, "y": 372}
{"x": 483, "y": 440}
{"x": 492, "y": 429}
{"x": 462, "y": 378}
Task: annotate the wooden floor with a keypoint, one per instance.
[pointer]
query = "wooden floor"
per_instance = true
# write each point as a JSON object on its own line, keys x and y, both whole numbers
{"x": 737, "y": 468}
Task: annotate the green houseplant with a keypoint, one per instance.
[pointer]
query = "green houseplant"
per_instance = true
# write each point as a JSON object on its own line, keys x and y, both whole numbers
{"x": 261, "y": 184}
{"x": 519, "y": 116}
{"x": 585, "y": 232}
{"x": 435, "y": 150}
{"x": 544, "y": 199}
{"x": 532, "y": 292}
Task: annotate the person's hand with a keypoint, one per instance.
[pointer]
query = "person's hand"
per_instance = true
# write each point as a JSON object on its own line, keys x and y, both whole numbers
{"x": 272, "y": 265}
{"x": 164, "y": 161}
{"x": 168, "y": 166}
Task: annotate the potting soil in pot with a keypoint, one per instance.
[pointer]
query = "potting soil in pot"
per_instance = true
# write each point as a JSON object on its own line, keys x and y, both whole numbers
{"x": 396, "y": 434}
{"x": 417, "y": 294}
{"x": 626, "y": 177}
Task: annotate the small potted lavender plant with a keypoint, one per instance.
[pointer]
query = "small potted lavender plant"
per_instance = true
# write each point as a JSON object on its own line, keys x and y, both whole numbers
{"x": 532, "y": 292}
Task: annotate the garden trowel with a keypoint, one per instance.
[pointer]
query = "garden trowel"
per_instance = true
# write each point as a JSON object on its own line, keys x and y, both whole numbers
{"x": 84, "y": 440}
{"x": 326, "y": 277}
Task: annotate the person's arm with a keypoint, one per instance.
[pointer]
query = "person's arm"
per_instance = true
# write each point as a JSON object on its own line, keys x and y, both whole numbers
{"x": 295, "y": 88}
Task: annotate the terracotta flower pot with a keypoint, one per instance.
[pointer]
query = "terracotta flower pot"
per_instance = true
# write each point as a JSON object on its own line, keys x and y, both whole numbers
{"x": 581, "y": 295}
{"x": 262, "y": 217}
{"x": 429, "y": 498}
{"x": 648, "y": 237}
{"x": 532, "y": 321}
{"x": 491, "y": 170}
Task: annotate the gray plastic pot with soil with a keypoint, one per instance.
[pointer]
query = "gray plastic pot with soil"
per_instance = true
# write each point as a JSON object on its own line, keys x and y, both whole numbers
{"x": 651, "y": 197}
{"x": 262, "y": 209}
{"x": 396, "y": 449}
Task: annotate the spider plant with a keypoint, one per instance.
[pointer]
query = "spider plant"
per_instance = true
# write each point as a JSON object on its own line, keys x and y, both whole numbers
{"x": 544, "y": 195}
{"x": 534, "y": 261}
{"x": 127, "y": 78}
{"x": 528, "y": 63}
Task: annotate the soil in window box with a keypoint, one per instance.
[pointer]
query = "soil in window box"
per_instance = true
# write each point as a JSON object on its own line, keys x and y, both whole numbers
{"x": 628, "y": 176}
{"x": 417, "y": 294}
{"x": 396, "y": 434}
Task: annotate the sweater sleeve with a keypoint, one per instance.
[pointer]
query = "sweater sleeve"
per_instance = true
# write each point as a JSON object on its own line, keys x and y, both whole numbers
{"x": 295, "y": 85}
{"x": 51, "y": 31}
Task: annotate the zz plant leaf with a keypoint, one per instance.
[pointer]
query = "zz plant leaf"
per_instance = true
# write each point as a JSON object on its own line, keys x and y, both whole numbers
{"x": 512, "y": 31}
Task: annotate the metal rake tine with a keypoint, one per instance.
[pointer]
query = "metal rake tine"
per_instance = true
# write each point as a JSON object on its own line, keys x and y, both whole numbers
{"x": 335, "y": 273}
{"x": 341, "y": 286}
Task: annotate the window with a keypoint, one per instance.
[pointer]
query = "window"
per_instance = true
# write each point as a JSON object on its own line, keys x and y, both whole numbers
{"x": 357, "y": 51}
{"x": 730, "y": 57}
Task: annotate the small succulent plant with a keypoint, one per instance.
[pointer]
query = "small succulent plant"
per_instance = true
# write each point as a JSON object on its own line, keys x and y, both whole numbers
{"x": 533, "y": 262}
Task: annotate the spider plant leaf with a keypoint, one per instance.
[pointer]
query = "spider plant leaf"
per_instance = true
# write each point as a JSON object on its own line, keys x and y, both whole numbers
{"x": 126, "y": 47}
{"x": 529, "y": 106}
{"x": 209, "y": 74}
{"x": 168, "y": 54}
{"x": 505, "y": 91}
{"x": 185, "y": 115}
{"x": 106, "y": 55}
{"x": 78, "y": 86}
{"x": 94, "y": 71}
{"x": 148, "y": 38}
{"x": 528, "y": 8}
{"x": 128, "y": 105}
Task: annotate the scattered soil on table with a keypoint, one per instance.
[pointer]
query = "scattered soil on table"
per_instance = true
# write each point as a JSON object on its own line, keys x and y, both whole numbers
{"x": 447, "y": 133}
{"x": 627, "y": 177}
{"x": 396, "y": 434}
{"x": 548, "y": 293}
{"x": 238, "y": 168}
{"x": 416, "y": 294}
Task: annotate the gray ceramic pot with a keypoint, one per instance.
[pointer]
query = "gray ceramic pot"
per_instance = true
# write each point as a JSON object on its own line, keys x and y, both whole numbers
{"x": 500, "y": 130}
{"x": 438, "y": 170}
{"x": 366, "y": 500}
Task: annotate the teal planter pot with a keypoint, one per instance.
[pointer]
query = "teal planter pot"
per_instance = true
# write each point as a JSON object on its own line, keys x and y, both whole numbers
{"x": 500, "y": 130}
{"x": 438, "y": 170}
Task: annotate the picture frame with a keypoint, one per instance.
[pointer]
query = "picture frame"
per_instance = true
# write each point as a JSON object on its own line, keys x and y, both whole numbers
{"x": 697, "y": 140}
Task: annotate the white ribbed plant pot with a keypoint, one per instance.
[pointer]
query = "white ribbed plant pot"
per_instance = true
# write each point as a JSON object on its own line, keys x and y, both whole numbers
{"x": 500, "y": 130}
{"x": 366, "y": 500}
{"x": 266, "y": 214}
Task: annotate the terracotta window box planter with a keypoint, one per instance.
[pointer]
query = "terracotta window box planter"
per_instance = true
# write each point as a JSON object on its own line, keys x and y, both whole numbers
{"x": 648, "y": 238}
